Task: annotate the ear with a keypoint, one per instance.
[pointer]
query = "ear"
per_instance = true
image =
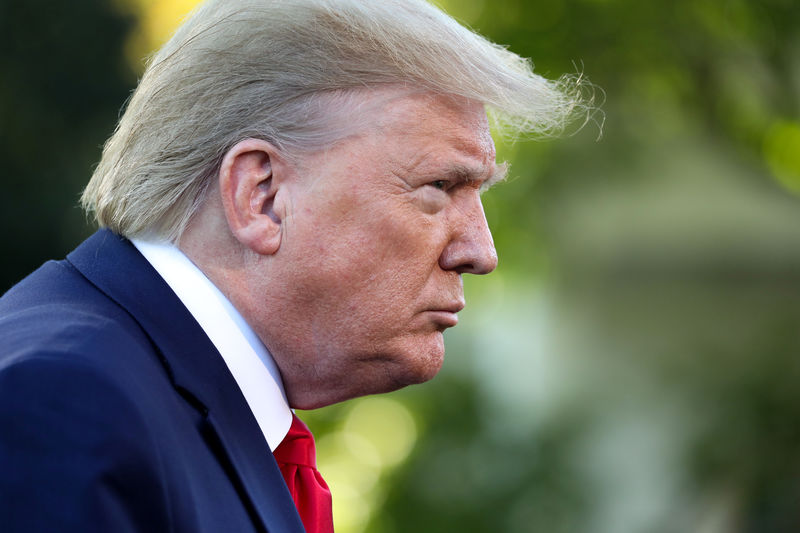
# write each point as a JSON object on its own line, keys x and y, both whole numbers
{"x": 250, "y": 176}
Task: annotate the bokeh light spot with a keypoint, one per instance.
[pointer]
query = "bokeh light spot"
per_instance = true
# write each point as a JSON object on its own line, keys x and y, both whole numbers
{"x": 374, "y": 437}
{"x": 158, "y": 19}
{"x": 782, "y": 153}
{"x": 386, "y": 423}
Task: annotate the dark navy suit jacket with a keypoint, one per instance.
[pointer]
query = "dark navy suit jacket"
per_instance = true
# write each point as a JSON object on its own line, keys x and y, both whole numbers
{"x": 118, "y": 415}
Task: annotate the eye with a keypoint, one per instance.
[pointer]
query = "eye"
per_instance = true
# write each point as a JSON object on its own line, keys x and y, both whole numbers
{"x": 439, "y": 184}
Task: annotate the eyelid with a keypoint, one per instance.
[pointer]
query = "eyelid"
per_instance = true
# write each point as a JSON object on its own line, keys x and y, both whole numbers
{"x": 446, "y": 184}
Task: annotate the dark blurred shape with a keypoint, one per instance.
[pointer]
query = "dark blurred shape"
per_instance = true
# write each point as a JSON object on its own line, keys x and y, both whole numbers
{"x": 64, "y": 79}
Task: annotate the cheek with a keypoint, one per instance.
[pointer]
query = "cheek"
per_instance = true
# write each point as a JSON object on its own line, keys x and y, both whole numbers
{"x": 374, "y": 256}
{"x": 387, "y": 236}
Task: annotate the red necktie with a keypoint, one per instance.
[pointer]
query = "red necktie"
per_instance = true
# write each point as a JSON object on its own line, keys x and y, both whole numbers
{"x": 298, "y": 463}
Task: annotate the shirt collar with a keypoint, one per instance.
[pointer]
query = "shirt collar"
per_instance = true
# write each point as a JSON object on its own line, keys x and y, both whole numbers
{"x": 245, "y": 355}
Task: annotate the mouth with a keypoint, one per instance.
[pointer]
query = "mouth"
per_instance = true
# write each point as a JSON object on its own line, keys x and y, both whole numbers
{"x": 447, "y": 315}
{"x": 444, "y": 319}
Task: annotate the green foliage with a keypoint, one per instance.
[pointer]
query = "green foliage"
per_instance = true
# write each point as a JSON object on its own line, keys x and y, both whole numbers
{"x": 637, "y": 362}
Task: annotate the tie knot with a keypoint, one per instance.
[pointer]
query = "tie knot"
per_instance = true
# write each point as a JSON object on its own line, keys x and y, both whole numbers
{"x": 298, "y": 446}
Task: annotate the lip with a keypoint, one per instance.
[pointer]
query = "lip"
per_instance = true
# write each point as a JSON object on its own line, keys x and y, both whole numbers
{"x": 447, "y": 314}
{"x": 444, "y": 318}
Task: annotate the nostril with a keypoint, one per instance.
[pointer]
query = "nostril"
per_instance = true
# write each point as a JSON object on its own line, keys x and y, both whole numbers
{"x": 486, "y": 264}
{"x": 469, "y": 258}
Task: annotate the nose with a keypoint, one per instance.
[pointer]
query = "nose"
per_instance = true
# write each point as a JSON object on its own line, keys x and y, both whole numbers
{"x": 471, "y": 248}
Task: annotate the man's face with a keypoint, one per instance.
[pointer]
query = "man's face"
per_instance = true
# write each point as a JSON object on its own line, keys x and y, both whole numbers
{"x": 378, "y": 231}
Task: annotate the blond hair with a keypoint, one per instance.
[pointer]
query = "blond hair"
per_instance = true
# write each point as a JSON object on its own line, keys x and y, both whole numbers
{"x": 270, "y": 69}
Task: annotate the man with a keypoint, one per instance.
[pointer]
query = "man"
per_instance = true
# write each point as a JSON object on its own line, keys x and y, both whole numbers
{"x": 288, "y": 204}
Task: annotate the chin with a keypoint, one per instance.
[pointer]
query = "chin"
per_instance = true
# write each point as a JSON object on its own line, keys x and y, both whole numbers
{"x": 397, "y": 369}
{"x": 387, "y": 371}
{"x": 386, "y": 377}
{"x": 419, "y": 367}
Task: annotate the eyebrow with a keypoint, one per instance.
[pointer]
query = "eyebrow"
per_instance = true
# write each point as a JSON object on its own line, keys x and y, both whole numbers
{"x": 499, "y": 174}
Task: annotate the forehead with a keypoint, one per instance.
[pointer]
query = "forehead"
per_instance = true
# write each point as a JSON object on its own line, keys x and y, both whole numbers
{"x": 424, "y": 128}
{"x": 420, "y": 114}
{"x": 409, "y": 134}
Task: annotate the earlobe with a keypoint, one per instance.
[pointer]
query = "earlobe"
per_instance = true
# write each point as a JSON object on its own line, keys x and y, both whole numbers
{"x": 249, "y": 179}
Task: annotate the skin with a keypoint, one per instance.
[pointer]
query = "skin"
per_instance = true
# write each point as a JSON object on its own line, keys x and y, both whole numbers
{"x": 348, "y": 264}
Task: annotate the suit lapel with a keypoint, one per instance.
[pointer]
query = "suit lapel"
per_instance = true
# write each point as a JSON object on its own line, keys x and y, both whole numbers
{"x": 197, "y": 371}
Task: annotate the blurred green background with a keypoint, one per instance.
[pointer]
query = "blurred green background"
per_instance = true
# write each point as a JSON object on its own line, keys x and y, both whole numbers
{"x": 633, "y": 366}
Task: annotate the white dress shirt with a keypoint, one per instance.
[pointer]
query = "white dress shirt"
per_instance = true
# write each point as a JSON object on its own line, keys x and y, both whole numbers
{"x": 247, "y": 358}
